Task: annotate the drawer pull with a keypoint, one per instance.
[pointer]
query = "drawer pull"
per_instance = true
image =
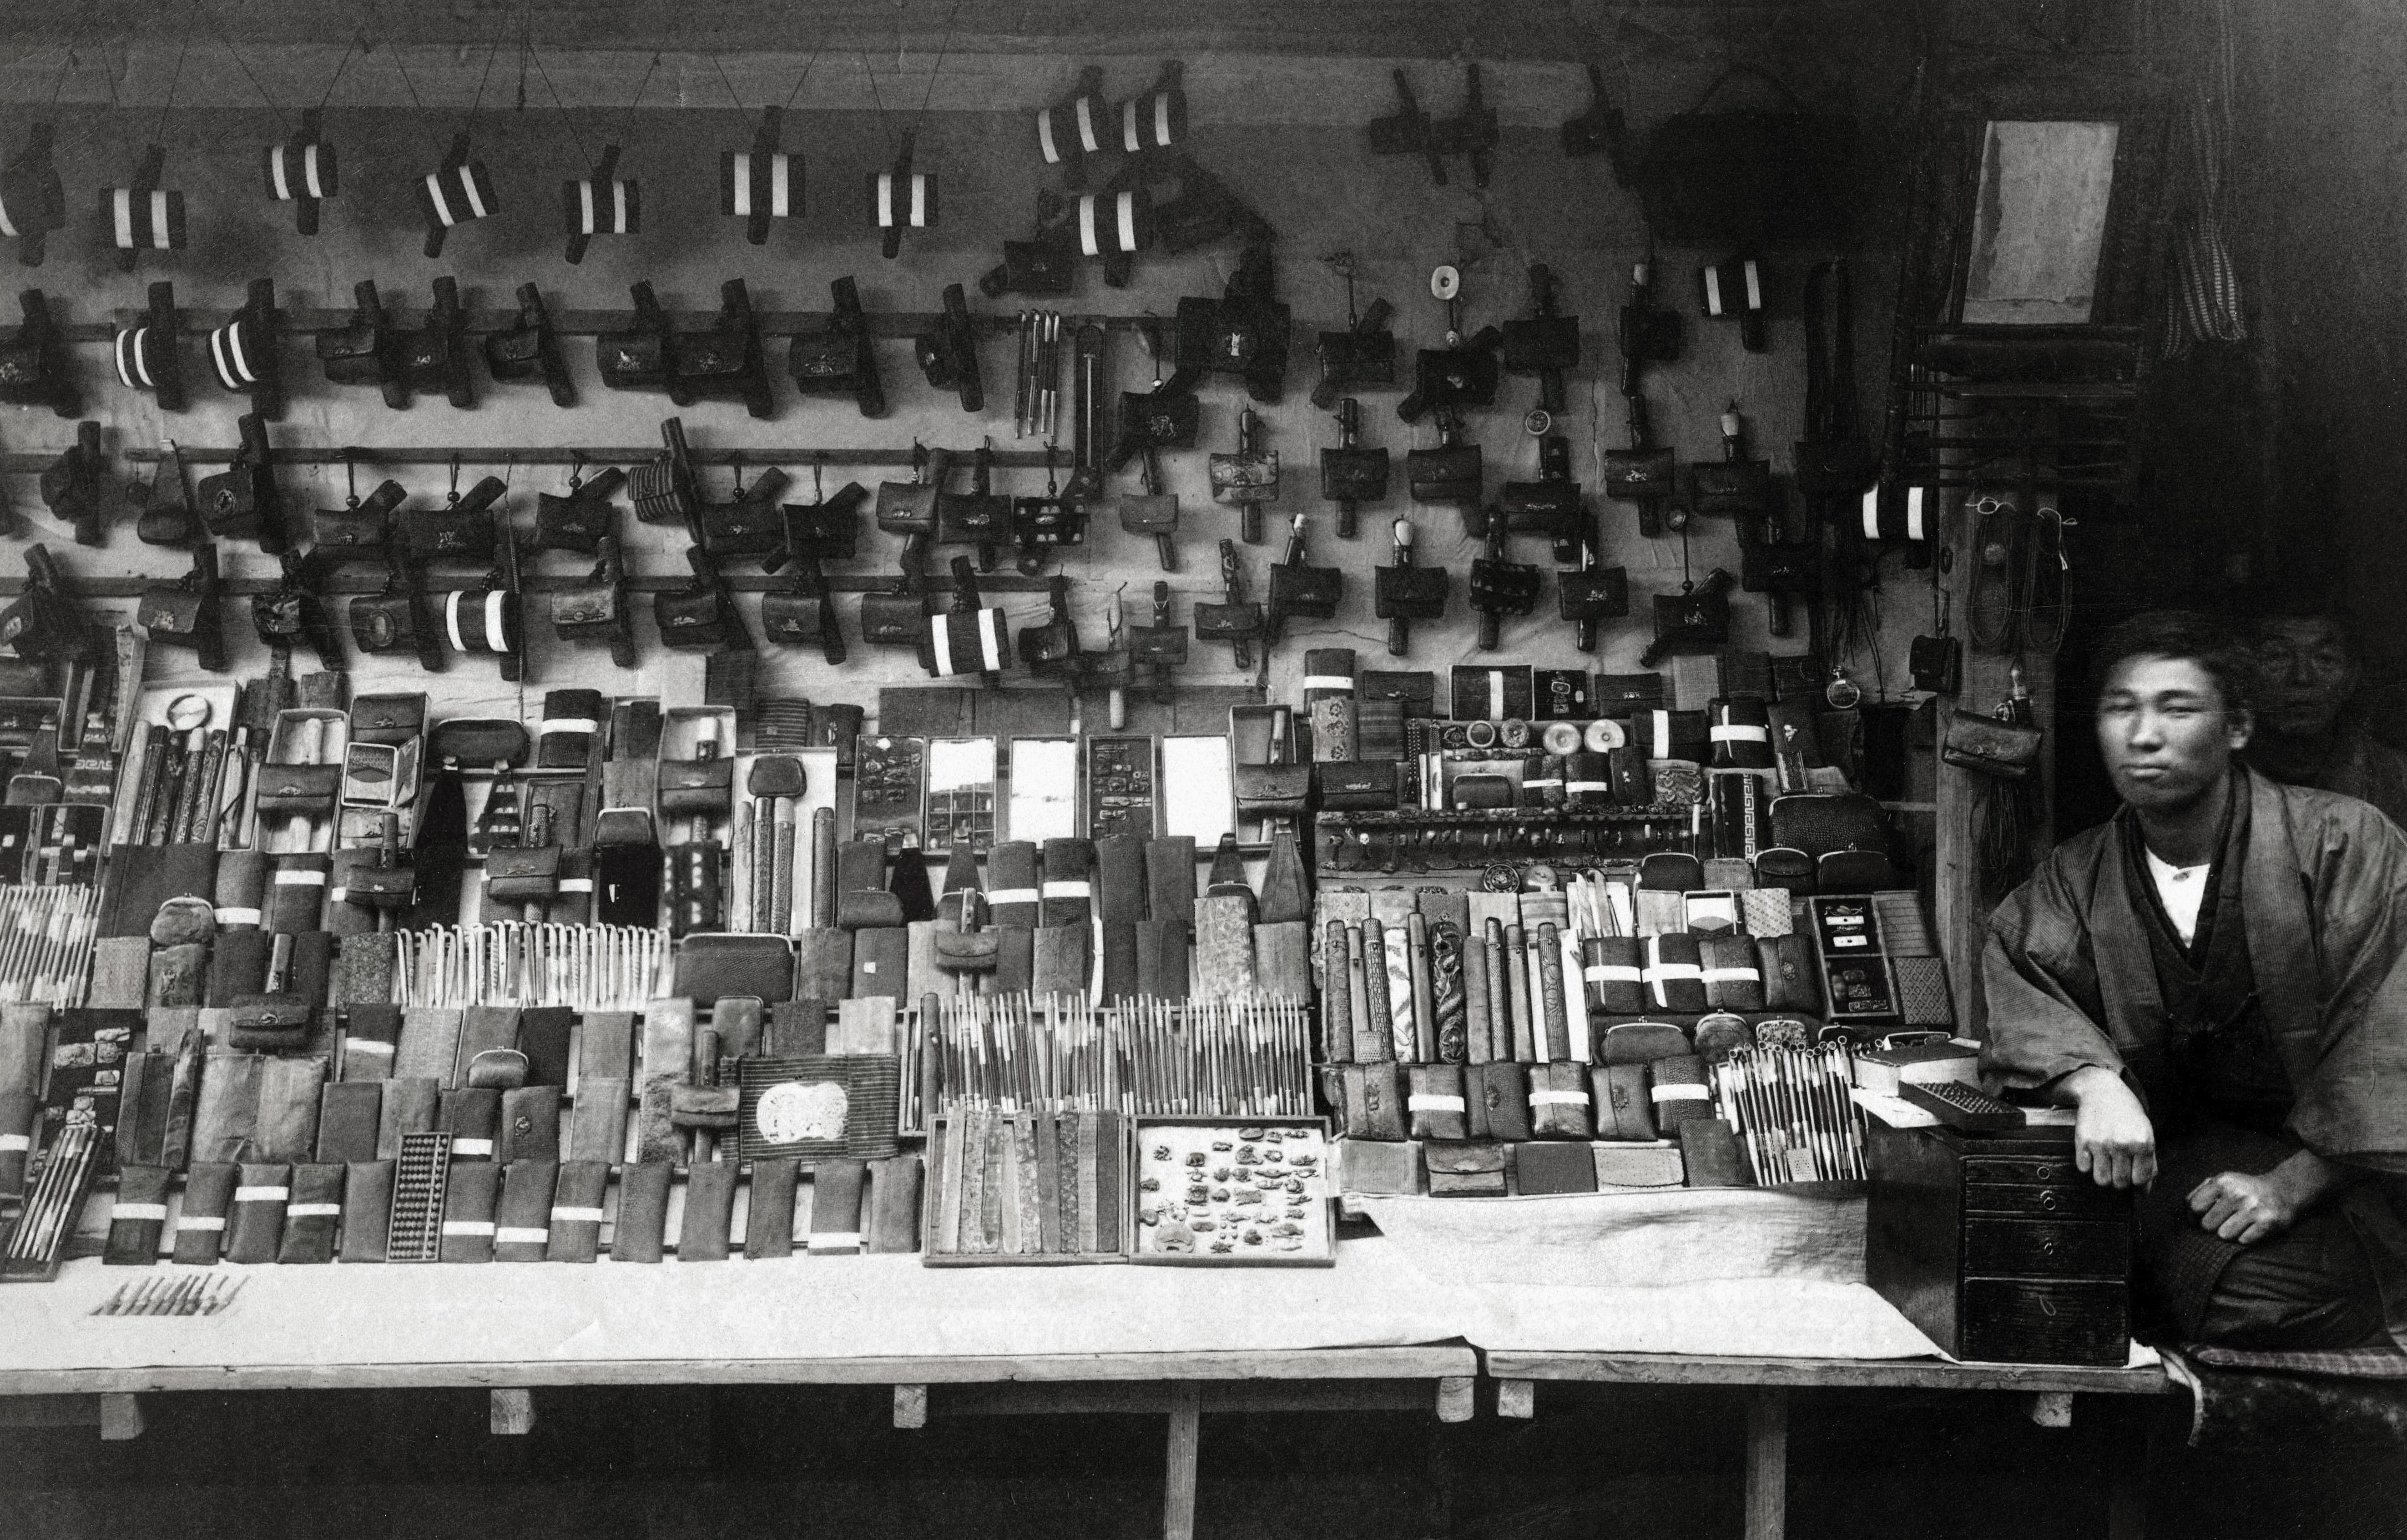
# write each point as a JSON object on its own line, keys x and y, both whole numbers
{"x": 2047, "y": 1309}
{"x": 2047, "y": 1200}
{"x": 2047, "y": 1248}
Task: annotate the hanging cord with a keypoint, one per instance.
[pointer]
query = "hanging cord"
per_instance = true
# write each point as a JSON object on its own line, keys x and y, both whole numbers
{"x": 393, "y": 50}
{"x": 175, "y": 79}
{"x": 340, "y": 65}
{"x": 243, "y": 64}
{"x": 69, "y": 62}
{"x": 2202, "y": 300}
{"x": 627, "y": 125}
{"x": 942, "y": 49}
{"x": 876, "y": 100}
{"x": 567, "y": 122}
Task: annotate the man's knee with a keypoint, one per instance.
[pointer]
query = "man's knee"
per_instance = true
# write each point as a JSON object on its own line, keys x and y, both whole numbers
{"x": 2311, "y": 1288}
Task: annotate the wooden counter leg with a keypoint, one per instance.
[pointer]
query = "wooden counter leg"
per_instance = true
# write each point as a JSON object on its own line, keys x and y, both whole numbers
{"x": 2136, "y": 1434}
{"x": 1179, "y": 1483}
{"x": 512, "y": 1413}
{"x": 121, "y": 1416}
{"x": 1767, "y": 1463}
{"x": 1516, "y": 1398}
{"x": 910, "y": 1405}
{"x": 1456, "y": 1398}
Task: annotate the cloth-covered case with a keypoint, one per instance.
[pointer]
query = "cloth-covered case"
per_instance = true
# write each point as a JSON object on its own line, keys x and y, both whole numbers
{"x": 313, "y": 1214}
{"x": 1624, "y": 1110}
{"x": 1675, "y": 973}
{"x": 1733, "y": 974}
{"x": 1373, "y": 1101}
{"x": 1676, "y": 1085}
{"x": 1465, "y": 1170}
{"x": 1435, "y": 1101}
{"x": 1558, "y": 1101}
{"x": 523, "y": 1217}
{"x": 575, "y": 1219}
{"x": 1499, "y": 1095}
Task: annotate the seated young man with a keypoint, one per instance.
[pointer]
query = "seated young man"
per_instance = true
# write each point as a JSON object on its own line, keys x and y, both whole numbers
{"x": 2215, "y": 980}
{"x": 2306, "y": 735}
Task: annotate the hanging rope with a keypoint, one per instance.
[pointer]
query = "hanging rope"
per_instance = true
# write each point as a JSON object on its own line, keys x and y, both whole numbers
{"x": 567, "y": 122}
{"x": 2202, "y": 301}
{"x": 627, "y": 127}
{"x": 243, "y": 64}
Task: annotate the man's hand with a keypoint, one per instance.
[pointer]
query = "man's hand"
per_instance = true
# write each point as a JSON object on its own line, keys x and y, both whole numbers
{"x": 2245, "y": 1208}
{"x": 2112, "y": 1137}
{"x": 2242, "y": 1208}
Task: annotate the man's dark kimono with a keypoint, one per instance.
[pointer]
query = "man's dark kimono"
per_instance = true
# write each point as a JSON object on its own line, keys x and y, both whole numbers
{"x": 2285, "y": 1030}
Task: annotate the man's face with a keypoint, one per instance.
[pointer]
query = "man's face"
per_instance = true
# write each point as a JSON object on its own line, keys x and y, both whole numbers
{"x": 2304, "y": 677}
{"x": 2166, "y": 734}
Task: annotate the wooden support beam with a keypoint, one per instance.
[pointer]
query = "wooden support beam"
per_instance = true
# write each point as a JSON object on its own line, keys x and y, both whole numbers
{"x": 2050, "y": 1408}
{"x": 1767, "y": 1463}
{"x": 511, "y": 1412}
{"x": 1456, "y": 1398}
{"x": 1178, "y": 1479}
{"x": 910, "y": 1405}
{"x": 120, "y": 1417}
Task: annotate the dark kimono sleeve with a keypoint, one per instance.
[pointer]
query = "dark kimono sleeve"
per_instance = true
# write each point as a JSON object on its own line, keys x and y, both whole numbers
{"x": 2039, "y": 977}
{"x": 2352, "y": 1103}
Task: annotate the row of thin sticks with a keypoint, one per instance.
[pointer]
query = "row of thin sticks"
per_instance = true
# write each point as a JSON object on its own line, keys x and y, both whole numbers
{"x": 57, "y": 1200}
{"x": 1149, "y": 1058}
{"x": 582, "y": 968}
{"x": 1793, "y": 1113}
{"x": 46, "y": 936}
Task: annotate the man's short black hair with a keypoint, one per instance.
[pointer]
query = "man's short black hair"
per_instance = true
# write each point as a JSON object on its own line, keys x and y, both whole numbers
{"x": 2303, "y": 602}
{"x": 2189, "y": 635}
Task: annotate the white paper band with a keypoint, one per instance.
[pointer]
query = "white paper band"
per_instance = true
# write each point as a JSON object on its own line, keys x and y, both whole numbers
{"x": 577, "y": 1216}
{"x": 467, "y": 1227}
{"x": 13, "y": 1143}
{"x": 1087, "y": 140}
{"x": 1434, "y": 1104}
{"x": 138, "y": 1211}
{"x": 834, "y": 1240}
{"x": 1612, "y": 973}
{"x": 1329, "y": 682}
{"x": 1680, "y": 1093}
{"x": 1732, "y": 976}
{"x": 1740, "y": 733}
{"x": 520, "y": 1234}
{"x": 1069, "y": 890}
{"x": 1045, "y": 138}
{"x": 261, "y": 1195}
{"x": 1012, "y": 895}
{"x": 300, "y": 877}
{"x": 201, "y": 1223}
{"x": 235, "y": 915}
{"x": 313, "y": 1210}
{"x": 585, "y": 724}
{"x": 1558, "y": 1098}
{"x": 1672, "y": 973}
{"x": 472, "y": 1147}
{"x": 376, "y": 1046}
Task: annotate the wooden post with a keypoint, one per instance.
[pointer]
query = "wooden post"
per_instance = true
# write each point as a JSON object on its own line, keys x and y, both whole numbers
{"x": 1516, "y": 1398}
{"x": 1963, "y": 794}
{"x": 120, "y": 1417}
{"x": 1178, "y": 1481}
{"x": 1767, "y": 1463}
{"x": 910, "y": 1405}
{"x": 512, "y": 1413}
{"x": 2050, "y": 1408}
{"x": 1456, "y": 1398}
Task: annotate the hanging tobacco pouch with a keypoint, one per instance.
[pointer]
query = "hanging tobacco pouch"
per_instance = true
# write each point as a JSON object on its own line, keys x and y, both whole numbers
{"x": 1449, "y": 473}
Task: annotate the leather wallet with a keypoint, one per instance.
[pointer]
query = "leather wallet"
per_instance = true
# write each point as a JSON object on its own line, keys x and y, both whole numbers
{"x": 346, "y": 1121}
{"x": 469, "y": 1203}
{"x": 1373, "y": 1101}
{"x": 1559, "y": 1103}
{"x": 1709, "y": 1152}
{"x": 255, "y": 1221}
{"x": 769, "y": 1213}
{"x": 668, "y": 1062}
{"x": 1544, "y": 1168}
{"x": 408, "y": 1107}
{"x": 1733, "y": 976}
{"x": 597, "y": 1126}
{"x": 1678, "y": 1088}
{"x": 891, "y": 1215}
{"x": 487, "y": 1050}
{"x": 710, "y": 1211}
{"x": 209, "y": 1198}
{"x": 137, "y": 1216}
{"x": 607, "y": 1049}
{"x": 1613, "y": 968}
{"x": 314, "y": 1214}
{"x": 1499, "y": 1095}
{"x": 1719, "y": 1034}
{"x": 368, "y": 1210}
{"x": 1640, "y": 1042}
{"x": 642, "y": 1228}
{"x": 823, "y": 965}
{"x": 837, "y": 1187}
{"x": 371, "y": 1034}
{"x": 575, "y": 1219}
{"x": 530, "y": 1125}
{"x": 1791, "y": 979}
{"x": 471, "y": 1115}
{"x": 712, "y": 967}
{"x": 428, "y": 1046}
{"x": 523, "y": 1218}
{"x": 881, "y": 961}
{"x": 1674, "y": 974}
{"x": 225, "y": 1111}
{"x": 1435, "y": 1101}
{"x": 1624, "y": 1111}
{"x": 284, "y": 1126}
{"x": 543, "y": 1037}
{"x": 1466, "y": 1170}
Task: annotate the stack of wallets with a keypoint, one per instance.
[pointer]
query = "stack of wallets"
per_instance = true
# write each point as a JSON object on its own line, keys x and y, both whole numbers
{"x": 1887, "y": 1066}
{"x": 1215, "y": 1192}
{"x": 1029, "y": 1188}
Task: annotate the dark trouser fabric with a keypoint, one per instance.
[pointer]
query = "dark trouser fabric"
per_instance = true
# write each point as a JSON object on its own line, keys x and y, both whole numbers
{"x": 2309, "y": 1288}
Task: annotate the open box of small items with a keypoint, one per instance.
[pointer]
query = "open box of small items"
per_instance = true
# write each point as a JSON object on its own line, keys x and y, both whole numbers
{"x": 1215, "y": 1193}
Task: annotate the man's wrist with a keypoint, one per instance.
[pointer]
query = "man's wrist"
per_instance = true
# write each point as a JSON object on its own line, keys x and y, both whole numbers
{"x": 2089, "y": 1080}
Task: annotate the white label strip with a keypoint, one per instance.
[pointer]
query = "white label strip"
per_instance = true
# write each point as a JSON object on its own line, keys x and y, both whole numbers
{"x": 1429, "y": 1103}
{"x": 467, "y": 1227}
{"x": 138, "y": 1211}
{"x": 201, "y": 1222}
{"x": 472, "y": 1147}
{"x": 520, "y": 1234}
{"x": 577, "y": 1216}
{"x": 261, "y": 1195}
{"x": 313, "y": 1210}
{"x": 1680, "y": 1093}
{"x": 1069, "y": 890}
{"x": 1558, "y": 1098}
{"x": 1612, "y": 973}
{"x": 1712, "y": 291}
{"x": 300, "y": 877}
{"x": 1013, "y": 896}
{"x": 1740, "y": 733}
{"x": 1045, "y": 138}
{"x": 232, "y": 916}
